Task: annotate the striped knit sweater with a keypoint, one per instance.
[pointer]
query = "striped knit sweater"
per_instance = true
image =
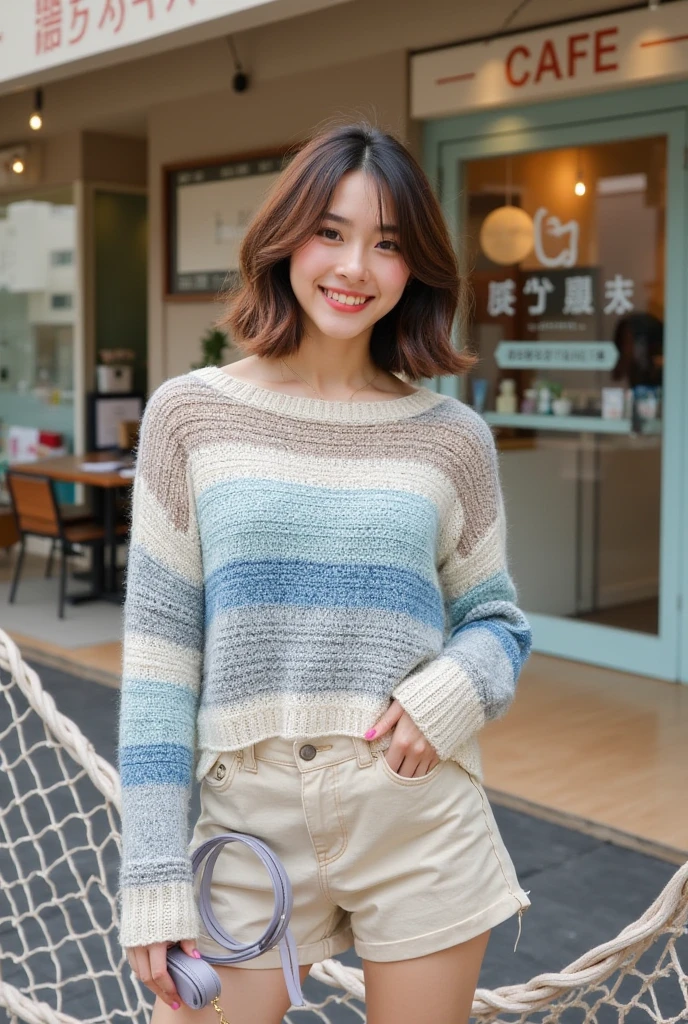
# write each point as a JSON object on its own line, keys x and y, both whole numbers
{"x": 296, "y": 564}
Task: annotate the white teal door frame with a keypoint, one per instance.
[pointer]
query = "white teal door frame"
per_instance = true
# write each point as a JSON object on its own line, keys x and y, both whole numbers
{"x": 629, "y": 114}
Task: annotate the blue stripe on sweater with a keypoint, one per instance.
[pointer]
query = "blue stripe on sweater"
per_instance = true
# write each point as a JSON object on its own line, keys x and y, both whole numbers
{"x": 483, "y": 660}
{"x": 175, "y": 712}
{"x": 498, "y": 587}
{"x": 315, "y": 584}
{"x": 483, "y": 621}
{"x": 506, "y": 638}
{"x": 156, "y": 764}
{"x": 253, "y": 518}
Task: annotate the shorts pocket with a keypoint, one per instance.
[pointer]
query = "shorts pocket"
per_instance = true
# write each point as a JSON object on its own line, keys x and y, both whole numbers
{"x": 400, "y": 780}
{"x": 219, "y": 776}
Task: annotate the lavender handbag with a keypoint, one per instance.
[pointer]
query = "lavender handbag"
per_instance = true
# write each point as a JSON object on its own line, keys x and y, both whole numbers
{"x": 197, "y": 983}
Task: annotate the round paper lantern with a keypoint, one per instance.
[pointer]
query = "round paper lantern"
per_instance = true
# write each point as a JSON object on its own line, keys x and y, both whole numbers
{"x": 506, "y": 235}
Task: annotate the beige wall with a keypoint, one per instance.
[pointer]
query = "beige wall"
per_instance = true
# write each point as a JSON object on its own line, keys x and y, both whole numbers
{"x": 109, "y": 98}
{"x": 82, "y": 156}
{"x": 114, "y": 159}
{"x": 349, "y": 60}
{"x": 267, "y": 115}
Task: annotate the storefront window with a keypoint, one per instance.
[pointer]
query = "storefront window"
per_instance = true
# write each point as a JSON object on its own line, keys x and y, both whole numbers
{"x": 566, "y": 250}
{"x": 37, "y": 312}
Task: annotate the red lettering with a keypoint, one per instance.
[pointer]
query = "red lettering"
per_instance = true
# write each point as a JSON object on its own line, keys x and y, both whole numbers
{"x": 113, "y": 11}
{"x": 576, "y": 54}
{"x": 48, "y": 25}
{"x": 548, "y": 61}
{"x": 149, "y": 5}
{"x": 522, "y": 51}
{"x": 601, "y": 49}
{"x": 79, "y": 24}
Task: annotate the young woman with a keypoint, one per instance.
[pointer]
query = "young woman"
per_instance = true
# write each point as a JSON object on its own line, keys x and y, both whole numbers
{"x": 319, "y": 614}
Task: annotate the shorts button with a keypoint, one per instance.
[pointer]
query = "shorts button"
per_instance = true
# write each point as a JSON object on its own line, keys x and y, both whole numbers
{"x": 307, "y": 752}
{"x": 220, "y": 771}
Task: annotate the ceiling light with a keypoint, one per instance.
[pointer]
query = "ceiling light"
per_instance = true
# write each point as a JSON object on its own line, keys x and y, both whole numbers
{"x": 17, "y": 165}
{"x": 579, "y": 187}
{"x": 36, "y": 119}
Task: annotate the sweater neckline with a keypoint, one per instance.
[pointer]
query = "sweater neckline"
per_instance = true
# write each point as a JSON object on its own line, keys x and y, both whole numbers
{"x": 379, "y": 411}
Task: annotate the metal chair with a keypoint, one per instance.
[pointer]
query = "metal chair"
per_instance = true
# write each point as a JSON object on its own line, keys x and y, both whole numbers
{"x": 38, "y": 513}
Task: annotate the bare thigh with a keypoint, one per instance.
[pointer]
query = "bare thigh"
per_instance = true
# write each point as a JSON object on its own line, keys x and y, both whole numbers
{"x": 248, "y": 997}
{"x": 433, "y": 989}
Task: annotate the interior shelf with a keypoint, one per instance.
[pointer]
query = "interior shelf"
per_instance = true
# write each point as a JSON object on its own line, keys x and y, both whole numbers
{"x": 578, "y": 424}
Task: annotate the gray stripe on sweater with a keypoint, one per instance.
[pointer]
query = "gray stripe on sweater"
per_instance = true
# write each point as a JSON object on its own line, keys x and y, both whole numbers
{"x": 159, "y": 841}
{"x": 488, "y": 667}
{"x": 161, "y": 603}
{"x": 271, "y": 649}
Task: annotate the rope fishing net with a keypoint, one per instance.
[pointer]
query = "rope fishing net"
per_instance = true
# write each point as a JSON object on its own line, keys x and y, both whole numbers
{"x": 60, "y": 958}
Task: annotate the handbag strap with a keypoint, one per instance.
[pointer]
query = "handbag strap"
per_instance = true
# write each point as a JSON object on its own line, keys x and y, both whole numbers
{"x": 277, "y": 932}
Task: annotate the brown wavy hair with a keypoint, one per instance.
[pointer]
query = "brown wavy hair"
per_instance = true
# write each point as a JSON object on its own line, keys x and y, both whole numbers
{"x": 414, "y": 338}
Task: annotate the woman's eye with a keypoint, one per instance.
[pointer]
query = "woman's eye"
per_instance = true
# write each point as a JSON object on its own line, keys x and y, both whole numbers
{"x": 329, "y": 233}
{"x": 388, "y": 242}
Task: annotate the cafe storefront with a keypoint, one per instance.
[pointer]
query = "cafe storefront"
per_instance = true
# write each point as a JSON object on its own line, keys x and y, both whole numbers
{"x": 560, "y": 157}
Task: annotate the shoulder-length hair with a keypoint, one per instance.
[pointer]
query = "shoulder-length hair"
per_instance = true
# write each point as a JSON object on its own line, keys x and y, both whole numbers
{"x": 415, "y": 337}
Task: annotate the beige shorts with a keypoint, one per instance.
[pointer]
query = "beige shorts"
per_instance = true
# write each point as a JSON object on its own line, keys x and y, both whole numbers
{"x": 396, "y": 867}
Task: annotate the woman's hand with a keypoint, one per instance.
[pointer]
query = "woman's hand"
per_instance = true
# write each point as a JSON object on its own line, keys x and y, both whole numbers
{"x": 149, "y": 964}
{"x": 409, "y": 753}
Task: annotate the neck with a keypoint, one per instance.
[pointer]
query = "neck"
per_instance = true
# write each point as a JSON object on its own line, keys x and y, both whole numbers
{"x": 332, "y": 366}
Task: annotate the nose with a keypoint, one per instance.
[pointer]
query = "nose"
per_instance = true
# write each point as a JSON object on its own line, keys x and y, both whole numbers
{"x": 353, "y": 265}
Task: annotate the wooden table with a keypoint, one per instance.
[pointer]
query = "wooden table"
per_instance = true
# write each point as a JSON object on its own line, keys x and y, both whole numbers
{"x": 67, "y": 469}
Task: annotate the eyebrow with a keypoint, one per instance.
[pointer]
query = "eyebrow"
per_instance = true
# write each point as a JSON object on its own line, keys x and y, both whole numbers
{"x": 387, "y": 229}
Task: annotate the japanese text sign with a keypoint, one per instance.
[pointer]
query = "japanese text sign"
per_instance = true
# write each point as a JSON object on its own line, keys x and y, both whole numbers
{"x": 571, "y": 293}
{"x": 557, "y": 355}
{"x": 37, "y": 35}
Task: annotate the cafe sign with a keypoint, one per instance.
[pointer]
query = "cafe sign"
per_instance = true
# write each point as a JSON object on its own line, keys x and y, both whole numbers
{"x": 565, "y": 60}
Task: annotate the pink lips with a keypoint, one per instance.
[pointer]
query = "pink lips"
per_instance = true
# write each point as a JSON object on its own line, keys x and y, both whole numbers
{"x": 342, "y": 306}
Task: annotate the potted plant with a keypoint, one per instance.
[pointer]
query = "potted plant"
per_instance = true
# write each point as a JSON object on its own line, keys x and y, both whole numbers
{"x": 213, "y": 344}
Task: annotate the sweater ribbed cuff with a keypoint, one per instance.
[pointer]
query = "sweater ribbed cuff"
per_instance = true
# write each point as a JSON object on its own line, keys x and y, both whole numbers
{"x": 161, "y": 913}
{"x": 443, "y": 704}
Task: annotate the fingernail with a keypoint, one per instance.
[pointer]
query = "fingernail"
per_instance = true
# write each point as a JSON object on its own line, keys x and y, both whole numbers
{"x": 196, "y": 954}
{"x": 369, "y": 735}
{"x": 175, "y": 1006}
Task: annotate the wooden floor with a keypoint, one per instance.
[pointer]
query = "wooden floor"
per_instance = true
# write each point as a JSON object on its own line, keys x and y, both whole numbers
{"x": 99, "y": 662}
{"x": 601, "y": 745}
{"x": 640, "y": 616}
{"x": 590, "y": 746}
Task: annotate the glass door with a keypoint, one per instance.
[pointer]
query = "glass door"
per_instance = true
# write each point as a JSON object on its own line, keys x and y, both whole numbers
{"x": 572, "y": 241}
{"x": 39, "y": 317}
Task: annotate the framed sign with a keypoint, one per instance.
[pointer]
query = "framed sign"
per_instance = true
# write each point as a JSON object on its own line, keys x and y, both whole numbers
{"x": 207, "y": 209}
{"x": 104, "y": 413}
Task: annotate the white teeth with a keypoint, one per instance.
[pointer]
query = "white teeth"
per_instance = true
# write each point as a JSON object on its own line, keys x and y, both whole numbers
{"x": 348, "y": 300}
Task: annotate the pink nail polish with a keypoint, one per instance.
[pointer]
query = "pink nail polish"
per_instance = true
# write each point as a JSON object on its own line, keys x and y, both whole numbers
{"x": 175, "y": 1006}
{"x": 196, "y": 954}
{"x": 369, "y": 735}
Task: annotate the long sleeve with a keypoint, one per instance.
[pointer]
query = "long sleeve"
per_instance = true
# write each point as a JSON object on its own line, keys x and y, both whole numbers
{"x": 487, "y": 637}
{"x": 161, "y": 675}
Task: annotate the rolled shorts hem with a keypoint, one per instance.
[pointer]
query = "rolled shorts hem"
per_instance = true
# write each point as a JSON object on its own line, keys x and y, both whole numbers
{"x": 312, "y": 953}
{"x": 443, "y": 938}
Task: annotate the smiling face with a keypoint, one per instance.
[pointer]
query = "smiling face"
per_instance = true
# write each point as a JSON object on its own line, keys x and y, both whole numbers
{"x": 351, "y": 272}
